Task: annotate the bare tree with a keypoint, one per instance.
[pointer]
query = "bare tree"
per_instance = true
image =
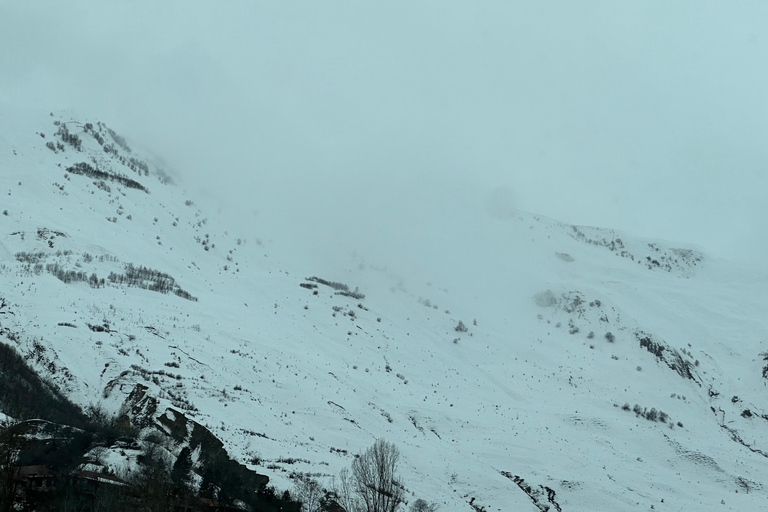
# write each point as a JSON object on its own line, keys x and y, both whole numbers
{"x": 10, "y": 447}
{"x": 345, "y": 494}
{"x": 421, "y": 505}
{"x": 152, "y": 480}
{"x": 308, "y": 492}
{"x": 374, "y": 478}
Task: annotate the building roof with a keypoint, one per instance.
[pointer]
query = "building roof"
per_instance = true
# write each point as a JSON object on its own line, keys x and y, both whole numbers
{"x": 100, "y": 477}
{"x": 34, "y": 472}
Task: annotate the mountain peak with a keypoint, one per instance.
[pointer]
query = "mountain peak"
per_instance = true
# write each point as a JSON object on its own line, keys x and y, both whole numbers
{"x": 526, "y": 363}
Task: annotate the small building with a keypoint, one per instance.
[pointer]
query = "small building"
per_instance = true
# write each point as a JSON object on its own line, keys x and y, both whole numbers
{"x": 92, "y": 481}
{"x": 35, "y": 478}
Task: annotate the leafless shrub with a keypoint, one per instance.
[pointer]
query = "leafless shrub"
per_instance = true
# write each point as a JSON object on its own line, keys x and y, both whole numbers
{"x": 373, "y": 485}
{"x": 421, "y": 505}
{"x": 308, "y": 492}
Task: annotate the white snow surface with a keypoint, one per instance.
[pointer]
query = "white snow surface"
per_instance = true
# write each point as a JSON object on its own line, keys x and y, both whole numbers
{"x": 277, "y": 373}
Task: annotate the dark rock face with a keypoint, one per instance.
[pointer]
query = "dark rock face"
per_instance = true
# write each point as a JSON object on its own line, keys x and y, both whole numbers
{"x": 212, "y": 456}
{"x": 538, "y": 494}
{"x": 215, "y": 464}
{"x": 141, "y": 407}
{"x": 667, "y": 355}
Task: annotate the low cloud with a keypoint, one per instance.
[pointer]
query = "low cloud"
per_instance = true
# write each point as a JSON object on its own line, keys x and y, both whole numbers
{"x": 385, "y": 124}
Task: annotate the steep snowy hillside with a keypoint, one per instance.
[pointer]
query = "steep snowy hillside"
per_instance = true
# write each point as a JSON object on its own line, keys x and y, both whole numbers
{"x": 551, "y": 367}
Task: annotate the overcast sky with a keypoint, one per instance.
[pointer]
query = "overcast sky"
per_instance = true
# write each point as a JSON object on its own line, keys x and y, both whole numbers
{"x": 649, "y": 117}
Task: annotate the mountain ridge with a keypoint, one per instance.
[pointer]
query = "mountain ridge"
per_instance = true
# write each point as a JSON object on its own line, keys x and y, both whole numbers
{"x": 523, "y": 391}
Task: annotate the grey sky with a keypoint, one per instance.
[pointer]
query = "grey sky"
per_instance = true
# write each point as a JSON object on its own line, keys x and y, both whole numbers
{"x": 345, "y": 117}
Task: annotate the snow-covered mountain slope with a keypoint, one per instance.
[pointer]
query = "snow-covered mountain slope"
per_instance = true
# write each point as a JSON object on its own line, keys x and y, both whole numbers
{"x": 530, "y": 371}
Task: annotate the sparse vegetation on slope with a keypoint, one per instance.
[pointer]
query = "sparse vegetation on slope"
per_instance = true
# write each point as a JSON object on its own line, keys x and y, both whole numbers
{"x": 341, "y": 288}
{"x": 85, "y": 169}
{"x": 149, "y": 279}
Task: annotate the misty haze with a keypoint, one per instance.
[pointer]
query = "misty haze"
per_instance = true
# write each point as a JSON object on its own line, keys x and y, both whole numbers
{"x": 383, "y": 258}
